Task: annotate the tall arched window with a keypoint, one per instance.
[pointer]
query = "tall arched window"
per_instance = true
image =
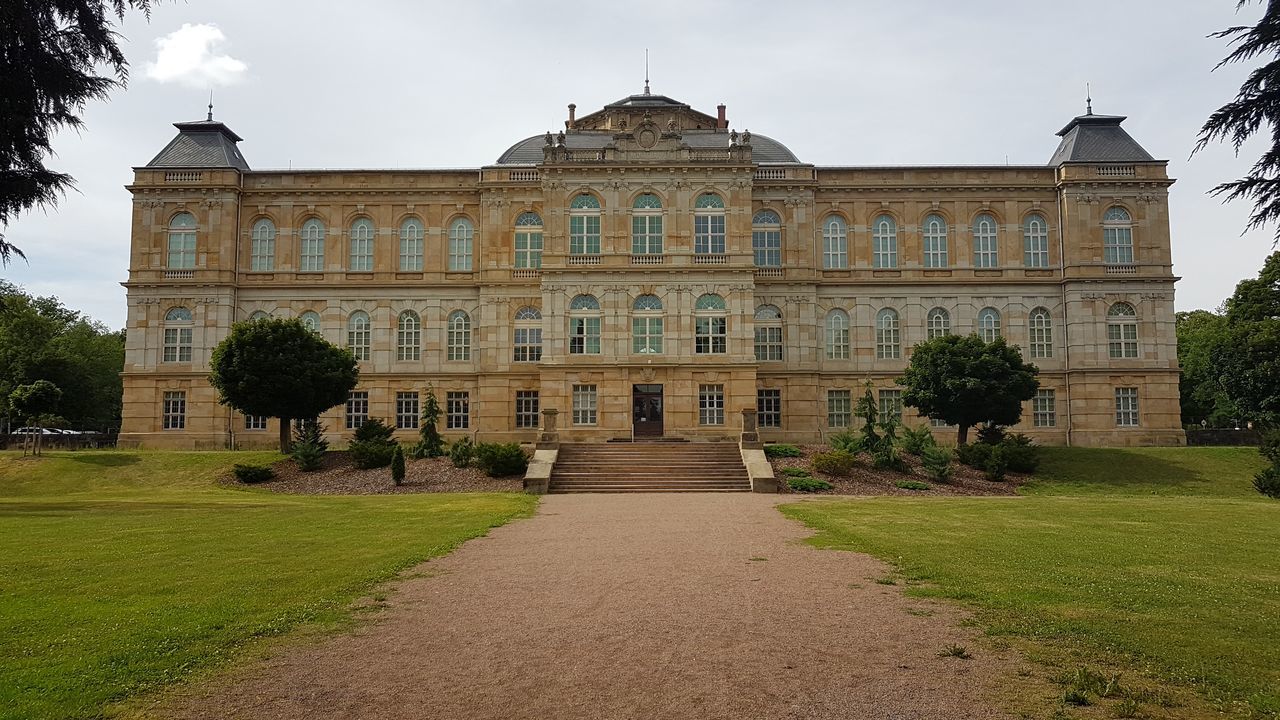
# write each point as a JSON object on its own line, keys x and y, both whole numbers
{"x": 934, "y": 232}
{"x": 986, "y": 252}
{"x": 584, "y": 325}
{"x": 646, "y": 325}
{"x": 768, "y": 334}
{"x": 888, "y": 335}
{"x": 358, "y": 332}
{"x": 262, "y": 248}
{"x": 311, "y": 255}
{"x": 310, "y": 320}
{"x": 182, "y": 241}
{"x": 1035, "y": 241}
{"x": 177, "y": 335}
{"x": 835, "y": 243}
{"x": 1117, "y": 237}
{"x": 459, "y": 340}
{"x": 529, "y": 240}
{"x": 361, "y": 245}
{"x": 708, "y": 225}
{"x": 409, "y": 336}
{"x": 646, "y": 225}
{"x": 584, "y": 225}
{"x": 766, "y": 238}
{"x": 710, "y": 325}
{"x": 938, "y": 323}
{"x": 460, "y": 245}
{"x": 988, "y": 324}
{"x": 1122, "y": 331}
{"x": 528, "y": 335}
{"x": 411, "y": 252}
{"x": 837, "y": 335}
{"x": 1040, "y": 330}
{"x": 884, "y": 242}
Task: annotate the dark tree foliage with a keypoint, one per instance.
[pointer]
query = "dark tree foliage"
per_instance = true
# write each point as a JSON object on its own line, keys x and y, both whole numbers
{"x": 33, "y": 401}
{"x": 1255, "y": 105}
{"x": 1246, "y": 357}
{"x": 50, "y": 51}
{"x": 1202, "y": 398}
{"x": 279, "y": 368}
{"x": 965, "y": 381}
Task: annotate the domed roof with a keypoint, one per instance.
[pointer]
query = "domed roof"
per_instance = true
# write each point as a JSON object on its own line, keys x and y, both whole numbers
{"x": 763, "y": 149}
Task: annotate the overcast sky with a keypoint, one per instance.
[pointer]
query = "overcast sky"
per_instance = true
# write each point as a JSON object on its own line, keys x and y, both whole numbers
{"x": 435, "y": 85}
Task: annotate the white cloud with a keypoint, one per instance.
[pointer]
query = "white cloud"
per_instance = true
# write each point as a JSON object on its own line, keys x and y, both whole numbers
{"x": 187, "y": 56}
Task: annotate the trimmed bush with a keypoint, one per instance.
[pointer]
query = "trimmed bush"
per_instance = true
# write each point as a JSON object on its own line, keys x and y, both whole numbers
{"x": 501, "y": 459}
{"x": 1020, "y": 453}
{"x": 990, "y": 434}
{"x": 309, "y": 445}
{"x": 1270, "y": 448}
{"x": 846, "y": 441}
{"x": 782, "y": 451}
{"x": 1267, "y": 482}
{"x": 997, "y": 463}
{"x": 309, "y": 457}
{"x": 796, "y": 472}
{"x": 975, "y": 455}
{"x": 372, "y": 446}
{"x": 912, "y": 485}
{"x": 835, "y": 462}
{"x": 937, "y": 464}
{"x": 397, "y": 466}
{"x": 461, "y": 452}
{"x": 430, "y": 444}
{"x": 808, "y": 484}
{"x": 252, "y": 473}
{"x": 915, "y": 440}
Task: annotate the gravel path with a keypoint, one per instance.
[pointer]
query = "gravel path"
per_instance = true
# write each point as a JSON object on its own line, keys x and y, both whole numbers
{"x": 632, "y": 606}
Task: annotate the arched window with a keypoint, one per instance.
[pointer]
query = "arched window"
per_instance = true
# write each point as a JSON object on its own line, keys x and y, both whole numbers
{"x": 310, "y": 320}
{"x": 646, "y": 325}
{"x": 708, "y": 225}
{"x": 257, "y": 315}
{"x": 837, "y": 335}
{"x": 768, "y": 334}
{"x": 584, "y": 325}
{"x": 361, "y": 245}
{"x": 1040, "y": 330}
{"x": 411, "y": 252}
{"x": 584, "y": 225}
{"x": 529, "y": 240}
{"x": 888, "y": 336}
{"x": 177, "y": 335}
{"x": 528, "y": 335}
{"x": 460, "y": 239}
{"x": 312, "y": 251}
{"x": 459, "y": 341}
{"x": 1117, "y": 237}
{"x": 262, "y": 248}
{"x": 986, "y": 252}
{"x": 710, "y": 325}
{"x": 988, "y": 324}
{"x": 934, "y": 232}
{"x": 938, "y": 323}
{"x": 182, "y": 241}
{"x": 358, "y": 331}
{"x": 409, "y": 336}
{"x": 1122, "y": 331}
{"x": 1035, "y": 241}
{"x": 835, "y": 243}
{"x": 646, "y": 225}
{"x": 766, "y": 238}
{"x": 884, "y": 242}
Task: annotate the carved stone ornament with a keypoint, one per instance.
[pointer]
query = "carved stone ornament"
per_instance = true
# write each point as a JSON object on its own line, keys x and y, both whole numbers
{"x": 648, "y": 374}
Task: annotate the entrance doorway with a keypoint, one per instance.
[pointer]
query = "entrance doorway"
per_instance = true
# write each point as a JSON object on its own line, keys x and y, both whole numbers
{"x": 646, "y": 410}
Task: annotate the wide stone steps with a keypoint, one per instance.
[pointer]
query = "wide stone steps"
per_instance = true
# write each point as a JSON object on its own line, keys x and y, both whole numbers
{"x": 649, "y": 467}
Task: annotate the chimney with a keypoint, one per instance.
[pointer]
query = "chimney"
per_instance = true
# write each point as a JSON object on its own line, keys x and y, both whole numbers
{"x": 721, "y": 123}
{"x": 572, "y": 108}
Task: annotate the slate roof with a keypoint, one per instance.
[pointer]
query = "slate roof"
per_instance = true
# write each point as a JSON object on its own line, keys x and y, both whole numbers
{"x": 1097, "y": 138}
{"x": 763, "y": 149}
{"x": 201, "y": 144}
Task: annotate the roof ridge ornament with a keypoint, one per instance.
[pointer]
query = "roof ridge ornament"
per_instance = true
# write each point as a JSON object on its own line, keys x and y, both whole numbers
{"x": 646, "y": 71}
{"x": 1088, "y": 100}
{"x": 209, "y": 118}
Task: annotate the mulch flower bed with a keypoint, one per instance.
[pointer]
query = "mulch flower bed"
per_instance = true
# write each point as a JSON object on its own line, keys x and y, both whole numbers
{"x": 338, "y": 476}
{"x": 866, "y": 480}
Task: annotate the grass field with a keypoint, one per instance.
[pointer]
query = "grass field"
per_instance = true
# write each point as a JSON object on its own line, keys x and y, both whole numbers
{"x": 1164, "y": 557}
{"x": 121, "y": 572}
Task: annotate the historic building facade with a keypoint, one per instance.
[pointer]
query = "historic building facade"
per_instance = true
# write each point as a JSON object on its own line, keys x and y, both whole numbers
{"x": 647, "y": 271}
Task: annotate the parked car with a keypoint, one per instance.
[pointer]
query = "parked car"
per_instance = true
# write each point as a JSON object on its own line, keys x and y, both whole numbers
{"x": 39, "y": 431}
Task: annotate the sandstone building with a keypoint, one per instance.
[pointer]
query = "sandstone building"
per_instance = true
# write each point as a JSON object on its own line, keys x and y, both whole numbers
{"x": 649, "y": 271}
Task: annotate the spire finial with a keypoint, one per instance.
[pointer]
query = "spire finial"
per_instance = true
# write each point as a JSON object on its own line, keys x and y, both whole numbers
{"x": 210, "y": 116}
{"x": 646, "y": 71}
{"x": 1088, "y": 100}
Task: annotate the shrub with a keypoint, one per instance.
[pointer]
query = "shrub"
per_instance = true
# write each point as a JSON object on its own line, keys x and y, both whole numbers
{"x": 937, "y": 463}
{"x": 912, "y": 485}
{"x": 1021, "y": 454}
{"x": 869, "y": 411}
{"x": 1268, "y": 482}
{"x": 460, "y": 452}
{"x": 915, "y": 440}
{"x": 397, "y": 466}
{"x": 975, "y": 455}
{"x": 835, "y": 462}
{"x": 885, "y": 456}
{"x": 990, "y": 434}
{"x": 808, "y": 484}
{"x": 430, "y": 444}
{"x": 997, "y": 463}
{"x": 372, "y": 446}
{"x": 501, "y": 459}
{"x": 1270, "y": 448}
{"x": 796, "y": 472}
{"x": 252, "y": 473}
{"x": 308, "y": 456}
{"x": 846, "y": 441}
{"x": 782, "y": 451}
{"x": 309, "y": 445}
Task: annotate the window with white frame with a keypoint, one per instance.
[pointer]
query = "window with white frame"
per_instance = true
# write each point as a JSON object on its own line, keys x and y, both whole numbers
{"x": 768, "y": 408}
{"x": 182, "y": 241}
{"x": 177, "y": 335}
{"x": 708, "y": 225}
{"x": 584, "y": 225}
{"x": 1040, "y": 330}
{"x": 584, "y": 404}
{"x": 1044, "y": 410}
{"x": 459, "y": 336}
{"x": 258, "y": 315}
{"x": 361, "y": 238}
{"x": 934, "y": 232}
{"x": 837, "y": 335}
{"x": 835, "y": 243}
{"x": 527, "y": 409}
{"x": 409, "y": 336}
{"x": 529, "y": 240}
{"x": 461, "y": 236}
{"x": 527, "y": 345}
{"x": 985, "y": 242}
{"x": 1127, "y": 407}
{"x": 839, "y": 408}
{"x": 711, "y": 404}
{"x": 768, "y": 333}
{"x": 646, "y": 225}
{"x": 766, "y": 239}
{"x": 988, "y": 324}
{"x": 310, "y": 320}
{"x": 888, "y": 335}
{"x": 890, "y": 406}
{"x": 710, "y": 325}
{"x": 884, "y": 242}
{"x": 457, "y": 409}
{"x": 262, "y": 246}
{"x": 646, "y": 325}
{"x": 255, "y": 422}
{"x": 173, "y": 411}
{"x": 407, "y": 412}
{"x": 1117, "y": 237}
{"x": 584, "y": 325}
{"x": 938, "y": 323}
{"x": 311, "y": 250}
{"x": 357, "y": 409}
{"x": 1035, "y": 241}
{"x": 1122, "y": 331}
{"x": 358, "y": 334}
{"x": 411, "y": 248}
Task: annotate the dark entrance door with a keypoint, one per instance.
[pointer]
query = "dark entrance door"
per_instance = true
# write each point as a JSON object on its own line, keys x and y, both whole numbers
{"x": 646, "y": 410}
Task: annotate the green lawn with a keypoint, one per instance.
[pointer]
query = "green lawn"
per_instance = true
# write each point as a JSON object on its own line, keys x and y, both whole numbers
{"x": 1165, "y": 558}
{"x": 121, "y": 572}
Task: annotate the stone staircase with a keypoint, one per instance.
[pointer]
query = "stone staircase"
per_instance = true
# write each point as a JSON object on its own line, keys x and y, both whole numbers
{"x": 649, "y": 467}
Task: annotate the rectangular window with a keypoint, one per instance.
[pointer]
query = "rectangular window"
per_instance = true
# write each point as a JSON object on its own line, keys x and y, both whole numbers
{"x": 646, "y": 235}
{"x": 584, "y": 404}
{"x": 708, "y": 234}
{"x": 528, "y": 249}
{"x": 1117, "y": 246}
{"x": 407, "y": 410}
{"x": 839, "y": 408}
{"x": 460, "y": 251}
{"x": 768, "y": 344}
{"x": 835, "y": 247}
{"x": 584, "y": 336}
{"x": 710, "y": 336}
{"x": 1044, "y": 411}
{"x": 1036, "y": 252}
{"x": 985, "y": 254}
{"x": 767, "y": 245}
{"x": 182, "y": 250}
{"x": 937, "y": 423}
{"x": 527, "y": 408}
{"x": 262, "y": 257}
{"x": 357, "y": 409}
{"x": 255, "y": 422}
{"x": 1127, "y": 407}
{"x": 646, "y": 335}
{"x": 174, "y": 411}
{"x": 528, "y": 345}
{"x": 177, "y": 345}
{"x": 1122, "y": 339}
{"x": 411, "y": 250}
{"x": 584, "y": 235}
{"x": 884, "y": 251}
{"x": 769, "y": 408}
{"x": 361, "y": 253}
{"x": 891, "y": 406}
{"x": 312, "y": 252}
{"x": 935, "y": 248}
{"x": 457, "y": 410}
{"x": 711, "y": 404}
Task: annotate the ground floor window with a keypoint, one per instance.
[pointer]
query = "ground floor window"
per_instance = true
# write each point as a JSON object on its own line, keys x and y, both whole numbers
{"x": 1127, "y": 407}
{"x": 255, "y": 422}
{"x": 937, "y": 423}
{"x": 584, "y": 404}
{"x": 357, "y": 409}
{"x": 174, "y": 411}
{"x": 839, "y": 408}
{"x": 769, "y": 408}
{"x": 527, "y": 408}
{"x": 1044, "y": 412}
{"x": 891, "y": 406}
{"x": 407, "y": 410}
{"x": 711, "y": 404}
{"x": 457, "y": 408}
